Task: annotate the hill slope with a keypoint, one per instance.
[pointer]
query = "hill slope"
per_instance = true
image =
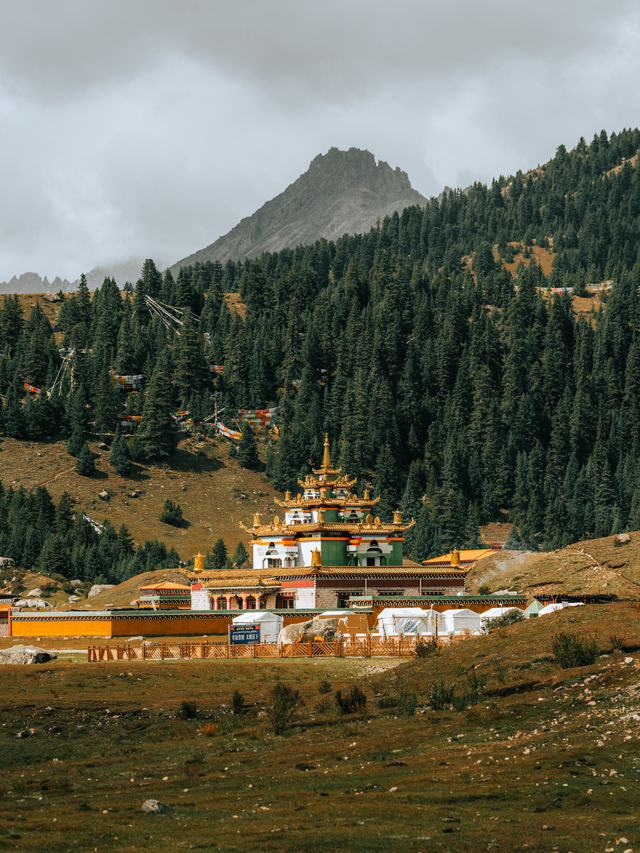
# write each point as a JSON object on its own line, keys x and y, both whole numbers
{"x": 341, "y": 192}
{"x": 592, "y": 566}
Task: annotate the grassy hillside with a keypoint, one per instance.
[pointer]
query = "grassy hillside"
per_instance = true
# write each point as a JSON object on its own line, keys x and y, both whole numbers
{"x": 592, "y": 566}
{"x": 546, "y": 759}
{"x": 215, "y": 493}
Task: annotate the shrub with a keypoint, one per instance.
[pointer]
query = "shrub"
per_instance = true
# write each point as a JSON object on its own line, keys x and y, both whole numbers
{"x": 283, "y": 704}
{"x": 387, "y": 702}
{"x": 477, "y": 684}
{"x": 352, "y": 702}
{"x": 511, "y": 617}
{"x": 483, "y": 590}
{"x": 85, "y": 463}
{"x": 209, "y": 730}
{"x": 408, "y": 701}
{"x": 324, "y": 686}
{"x": 460, "y": 702}
{"x": 172, "y": 514}
{"x": 426, "y": 647}
{"x": 188, "y": 710}
{"x": 573, "y": 650}
{"x": 440, "y": 696}
{"x": 237, "y": 702}
{"x": 616, "y": 642}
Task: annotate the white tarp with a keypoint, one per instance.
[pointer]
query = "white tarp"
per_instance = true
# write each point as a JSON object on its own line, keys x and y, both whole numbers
{"x": 400, "y": 621}
{"x": 270, "y": 624}
{"x": 461, "y": 620}
{"x": 494, "y": 613}
{"x": 559, "y": 605}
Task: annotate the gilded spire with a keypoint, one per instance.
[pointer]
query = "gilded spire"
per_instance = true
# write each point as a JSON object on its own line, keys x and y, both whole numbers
{"x": 326, "y": 459}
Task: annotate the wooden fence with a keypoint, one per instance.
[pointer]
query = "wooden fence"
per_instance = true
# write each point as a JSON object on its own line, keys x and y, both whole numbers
{"x": 364, "y": 647}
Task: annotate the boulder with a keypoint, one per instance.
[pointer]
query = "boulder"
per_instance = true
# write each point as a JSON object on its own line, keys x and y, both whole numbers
{"x": 134, "y": 494}
{"x": 103, "y": 495}
{"x": 37, "y": 592}
{"x": 155, "y": 807}
{"x": 622, "y": 539}
{"x": 135, "y": 639}
{"x": 74, "y": 598}
{"x": 97, "y": 588}
{"x": 76, "y": 582}
{"x": 6, "y": 563}
{"x": 38, "y": 603}
{"x": 305, "y": 632}
{"x": 21, "y": 655}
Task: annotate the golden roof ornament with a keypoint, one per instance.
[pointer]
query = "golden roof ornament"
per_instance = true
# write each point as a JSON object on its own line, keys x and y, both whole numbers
{"x": 276, "y": 521}
{"x": 369, "y": 519}
{"x": 316, "y": 557}
{"x": 198, "y": 562}
{"x": 287, "y": 495}
{"x": 326, "y": 456}
{"x": 455, "y": 558}
{"x": 257, "y": 519}
{"x": 397, "y": 517}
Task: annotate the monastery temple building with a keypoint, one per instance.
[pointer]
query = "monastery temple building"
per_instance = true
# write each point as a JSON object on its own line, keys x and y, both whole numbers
{"x": 328, "y": 547}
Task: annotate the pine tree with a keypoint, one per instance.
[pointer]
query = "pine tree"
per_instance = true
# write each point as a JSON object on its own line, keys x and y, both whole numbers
{"x": 14, "y": 420}
{"x": 248, "y": 449}
{"x": 219, "y": 555}
{"x": 85, "y": 463}
{"x": 240, "y": 556}
{"x": 157, "y": 430}
{"x": 119, "y": 456}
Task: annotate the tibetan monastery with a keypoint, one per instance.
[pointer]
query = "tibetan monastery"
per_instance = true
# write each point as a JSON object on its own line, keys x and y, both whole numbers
{"x": 328, "y": 547}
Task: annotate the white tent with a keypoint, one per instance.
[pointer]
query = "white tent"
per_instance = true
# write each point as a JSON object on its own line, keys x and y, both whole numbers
{"x": 457, "y": 621}
{"x": 558, "y": 605}
{"x": 270, "y": 624}
{"x": 401, "y": 621}
{"x": 494, "y": 613}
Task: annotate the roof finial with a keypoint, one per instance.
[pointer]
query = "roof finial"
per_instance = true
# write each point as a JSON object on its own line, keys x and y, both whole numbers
{"x": 326, "y": 459}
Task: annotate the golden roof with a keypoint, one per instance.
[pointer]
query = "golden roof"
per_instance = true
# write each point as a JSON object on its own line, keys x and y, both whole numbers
{"x": 355, "y": 528}
{"x": 469, "y": 556}
{"x": 241, "y": 579}
{"x": 351, "y": 500}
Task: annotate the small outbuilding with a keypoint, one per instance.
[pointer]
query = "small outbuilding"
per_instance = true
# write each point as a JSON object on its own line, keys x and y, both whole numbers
{"x": 270, "y": 624}
{"x": 409, "y": 621}
{"x": 533, "y": 609}
{"x": 457, "y": 621}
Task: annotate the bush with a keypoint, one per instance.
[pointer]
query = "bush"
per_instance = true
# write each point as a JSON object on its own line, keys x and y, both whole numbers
{"x": 324, "y": 686}
{"x": 188, "y": 710}
{"x": 460, "y": 702}
{"x": 352, "y": 702}
{"x": 477, "y": 684}
{"x": 209, "y": 730}
{"x": 172, "y": 514}
{"x": 511, "y": 617}
{"x": 484, "y": 590}
{"x": 573, "y": 650}
{"x": 408, "y": 701}
{"x": 440, "y": 696}
{"x": 237, "y": 702}
{"x": 426, "y": 647}
{"x": 616, "y": 642}
{"x": 283, "y": 704}
{"x": 387, "y": 702}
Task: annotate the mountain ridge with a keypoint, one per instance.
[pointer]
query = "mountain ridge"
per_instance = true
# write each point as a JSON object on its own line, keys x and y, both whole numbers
{"x": 341, "y": 192}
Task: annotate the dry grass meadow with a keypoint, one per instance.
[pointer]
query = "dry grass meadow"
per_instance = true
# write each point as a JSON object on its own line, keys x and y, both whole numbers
{"x": 545, "y": 759}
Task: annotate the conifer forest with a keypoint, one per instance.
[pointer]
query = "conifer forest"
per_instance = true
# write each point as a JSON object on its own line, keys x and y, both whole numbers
{"x": 461, "y": 390}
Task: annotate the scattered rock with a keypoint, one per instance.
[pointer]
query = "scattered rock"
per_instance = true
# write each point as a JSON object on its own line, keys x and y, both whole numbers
{"x": 622, "y": 539}
{"x": 103, "y": 495}
{"x": 155, "y": 807}
{"x": 74, "y": 598}
{"x": 52, "y": 297}
{"x": 38, "y": 603}
{"x": 22, "y": 655}
{"x": 97, "y": 588}
{"x": 135, "y": 639}
{"x": 76, "y": 582}
{"x": 306, "y": 632}
{"x": 628, "y": 660}
{"x": 103, "y": 446}
{"x": 37, "y": 592}
{"x": 6, "y": 563}
{"x": 134, "y": 494}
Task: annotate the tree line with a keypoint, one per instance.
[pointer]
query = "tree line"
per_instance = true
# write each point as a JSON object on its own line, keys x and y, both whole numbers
{"x": 457, "y": 389}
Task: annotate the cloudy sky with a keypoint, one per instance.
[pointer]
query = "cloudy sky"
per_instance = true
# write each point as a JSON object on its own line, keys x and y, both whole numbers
{"x": 149, "y": 127}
